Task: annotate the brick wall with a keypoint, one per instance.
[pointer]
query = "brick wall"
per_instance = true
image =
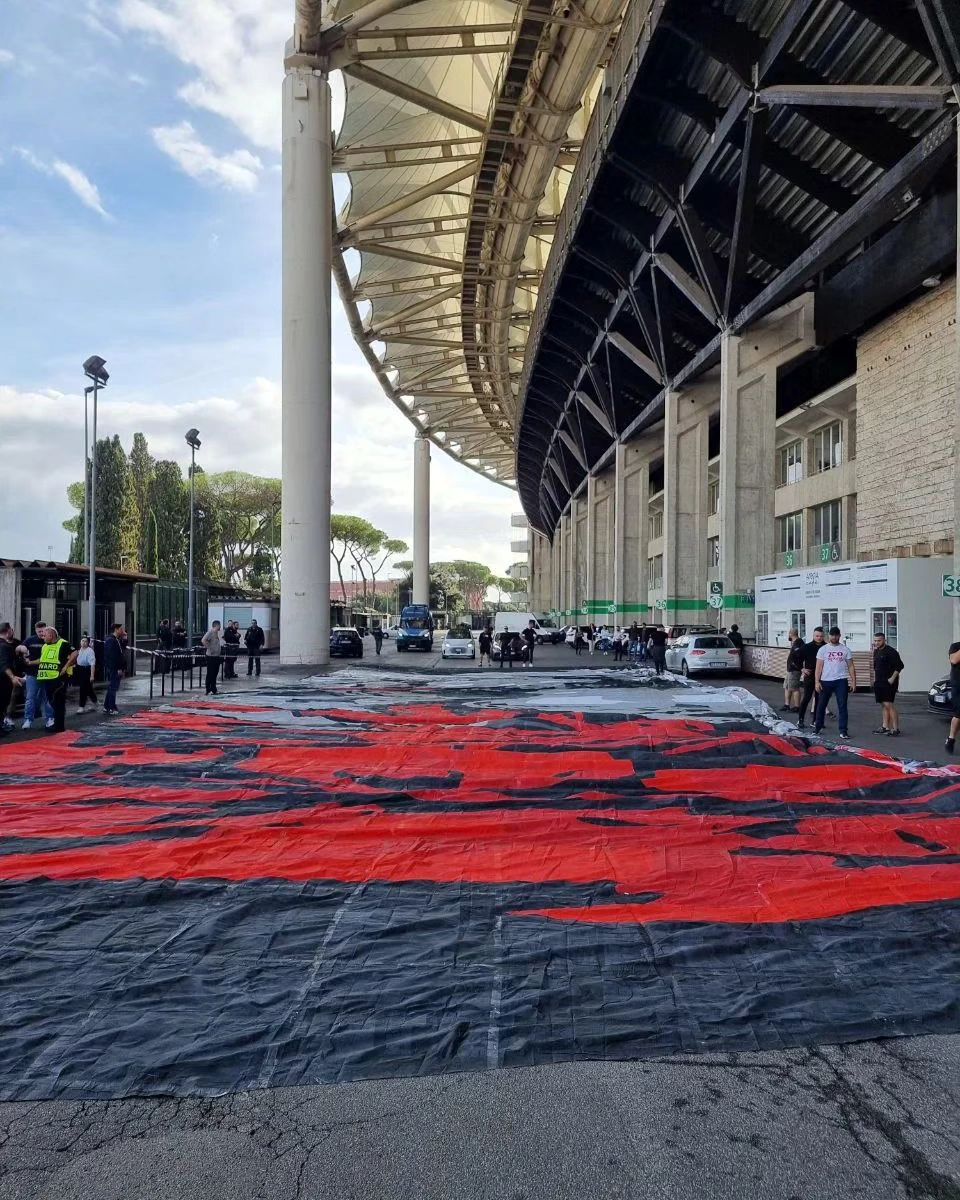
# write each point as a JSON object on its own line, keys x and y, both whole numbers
{"x": 906, "y": 401}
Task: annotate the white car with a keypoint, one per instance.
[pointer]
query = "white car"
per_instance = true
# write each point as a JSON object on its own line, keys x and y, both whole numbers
{"x": 458, "y": 643}
{"x": 706, "y": 652}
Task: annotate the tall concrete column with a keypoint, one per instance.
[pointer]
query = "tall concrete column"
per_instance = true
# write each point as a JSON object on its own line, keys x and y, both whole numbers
{"x": 590, "y": 595}
{"x": 305, "y": 421}
{"x": 619, "y": 519}
{"x": 573, "y": 600}
{"x": 956, "y": 411}
{"x": 421, "y": 520}
{"x": 749, "y": 365}
{"x": 635, "y": 533}
{"x": 685, "y": 457}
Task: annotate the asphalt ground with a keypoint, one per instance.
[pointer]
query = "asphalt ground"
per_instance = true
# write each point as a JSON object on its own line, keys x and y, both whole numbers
{"x": 922, "y": 731}
{"x": 875, "y": 1120}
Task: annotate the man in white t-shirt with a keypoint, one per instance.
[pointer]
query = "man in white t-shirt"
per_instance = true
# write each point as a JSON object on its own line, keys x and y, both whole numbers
{"x": 836, "y": 676}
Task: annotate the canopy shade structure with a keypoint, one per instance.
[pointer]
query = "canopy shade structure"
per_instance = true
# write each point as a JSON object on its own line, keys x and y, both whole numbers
{"x": 463, "y": 121}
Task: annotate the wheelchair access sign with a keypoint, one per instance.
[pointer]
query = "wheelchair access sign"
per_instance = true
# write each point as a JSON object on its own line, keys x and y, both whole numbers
{"x": 715, "y": 599}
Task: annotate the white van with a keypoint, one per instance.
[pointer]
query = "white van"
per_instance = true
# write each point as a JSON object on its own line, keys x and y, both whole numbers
{"x": 517, "y": 622}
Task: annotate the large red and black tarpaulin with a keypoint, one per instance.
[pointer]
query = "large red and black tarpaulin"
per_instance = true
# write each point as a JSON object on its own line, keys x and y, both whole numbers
{"x": 365, "y": 876}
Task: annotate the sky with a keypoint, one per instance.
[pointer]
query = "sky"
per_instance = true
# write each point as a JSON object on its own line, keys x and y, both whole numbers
{"x": 140, "y": 220}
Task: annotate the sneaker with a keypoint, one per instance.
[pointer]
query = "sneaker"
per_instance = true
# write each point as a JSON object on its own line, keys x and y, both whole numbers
{"x": 818, "y": 730}
{"x": 81, "y": 711}
{"x": 893, "y": 733}
{"x": 844, "y": 737}
{"x": 7, "y": 723}
{"x": 801, "y": 725}
{"x": 785, "y": 708}
{"x": 112, "y": 712}
{"x": 29, "y": 725}
{"x": 882, "y": 729}
{"x": 947, "y": 745}
{"x": 49, "y": 724}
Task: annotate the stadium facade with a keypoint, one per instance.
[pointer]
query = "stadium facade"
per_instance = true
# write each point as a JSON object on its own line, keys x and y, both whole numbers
{"x": 681, "y": 271}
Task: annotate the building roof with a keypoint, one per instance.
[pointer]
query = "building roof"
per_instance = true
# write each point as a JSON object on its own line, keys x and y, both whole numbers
{"x": 463, "y": 120}
{"x": 62, "y": 568}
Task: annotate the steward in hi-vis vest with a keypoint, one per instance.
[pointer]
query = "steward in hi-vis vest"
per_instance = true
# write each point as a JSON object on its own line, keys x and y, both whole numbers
{"x": 54, "y": 664}
{"x": 50, "y": 666}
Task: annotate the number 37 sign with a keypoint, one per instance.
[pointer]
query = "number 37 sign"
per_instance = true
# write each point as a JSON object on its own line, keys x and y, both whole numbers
{"x": 951, "y": 586}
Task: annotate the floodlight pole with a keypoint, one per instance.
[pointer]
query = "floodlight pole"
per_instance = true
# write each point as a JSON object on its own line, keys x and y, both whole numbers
{"x": 92, "y": 544}
{"x": 86, "y": 470}
{"x": 193, "y": 463}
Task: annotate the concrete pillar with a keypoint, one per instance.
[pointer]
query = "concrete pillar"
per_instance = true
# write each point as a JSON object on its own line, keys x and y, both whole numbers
{"x": 307, "y": 262}
{"x": 685, "y": 455}
{"x": 749, "y": 365}
{"x": 573, "y": 600}
{"x": 421, "y": 520}
{"x": 956, "y": 409}
{"x": 619, "y": 519}
{"x": 589, "y": 597}
{"x": 635, "y": 533}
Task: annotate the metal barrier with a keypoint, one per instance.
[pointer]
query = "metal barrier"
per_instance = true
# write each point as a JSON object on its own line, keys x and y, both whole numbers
{"x": 166, "y": 665}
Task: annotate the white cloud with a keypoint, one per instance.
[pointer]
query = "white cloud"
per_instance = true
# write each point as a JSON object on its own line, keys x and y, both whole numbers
{"x": 6, "y": 58}
{"x": 234, "y": 49}
{"x": 372, "y": 461}
{"x": 239, "y": 170}
{"x": 85, "y": 190}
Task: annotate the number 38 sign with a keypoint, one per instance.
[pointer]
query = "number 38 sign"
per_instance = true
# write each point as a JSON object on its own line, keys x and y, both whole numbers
{"x": 951, "y": 586}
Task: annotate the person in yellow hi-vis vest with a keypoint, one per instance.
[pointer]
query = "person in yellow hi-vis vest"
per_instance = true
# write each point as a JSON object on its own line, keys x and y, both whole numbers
{"x": 54, "y": 667}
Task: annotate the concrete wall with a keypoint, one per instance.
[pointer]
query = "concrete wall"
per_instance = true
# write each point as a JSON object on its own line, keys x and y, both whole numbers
{"x": 10, "y": 598}
{"x": 906, "y": 396}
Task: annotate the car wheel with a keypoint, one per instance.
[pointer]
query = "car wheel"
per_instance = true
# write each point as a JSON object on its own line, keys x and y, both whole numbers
{"x": 684, "y": 669}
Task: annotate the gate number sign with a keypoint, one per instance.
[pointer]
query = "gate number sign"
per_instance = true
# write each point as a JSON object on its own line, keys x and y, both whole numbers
{"x": 951, "y": 585}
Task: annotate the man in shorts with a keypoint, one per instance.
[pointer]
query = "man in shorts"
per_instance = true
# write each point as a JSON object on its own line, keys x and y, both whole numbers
{"x": 792, "y": 686}
{"x": 954, "y": 654}
{"x": 887, "y": 668}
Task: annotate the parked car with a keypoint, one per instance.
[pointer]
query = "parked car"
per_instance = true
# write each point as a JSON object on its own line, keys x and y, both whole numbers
{"x": 675, "y": 632}
{"x": 346, "y": 642}
{"x": 940, "y": 697}
{"x": 709, "y": 653}
{"x": 458, "y": 643}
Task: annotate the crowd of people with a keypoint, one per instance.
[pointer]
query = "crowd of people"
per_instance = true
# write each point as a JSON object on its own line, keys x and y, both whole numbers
{"x": 823, "y": 670}
{"x": 42, "y": 667}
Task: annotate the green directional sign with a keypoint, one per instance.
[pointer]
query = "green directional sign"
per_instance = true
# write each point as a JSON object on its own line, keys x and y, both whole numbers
{"x": 715, "y": 599}
{"x": 951, "y": 586}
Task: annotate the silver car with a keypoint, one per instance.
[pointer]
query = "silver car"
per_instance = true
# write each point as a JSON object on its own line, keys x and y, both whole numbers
{"x": 706, "y": 652}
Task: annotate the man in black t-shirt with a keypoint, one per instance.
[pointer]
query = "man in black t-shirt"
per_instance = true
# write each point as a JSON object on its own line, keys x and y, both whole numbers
{"x": 887, "y": 668}
{"x": 11, "y": 674}
{"x": 808, "y": 672}
{"x": 954, "y": 654}
{"x": 658, "y": 649}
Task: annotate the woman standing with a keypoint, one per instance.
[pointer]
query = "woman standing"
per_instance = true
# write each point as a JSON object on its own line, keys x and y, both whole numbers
{"x": 85, "y": 666}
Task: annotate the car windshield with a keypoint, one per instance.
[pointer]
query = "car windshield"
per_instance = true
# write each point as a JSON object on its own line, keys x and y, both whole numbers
{"x": 712, "y": 643}
{"x": 416, "y": 623}
{"x": 460, "y": 634}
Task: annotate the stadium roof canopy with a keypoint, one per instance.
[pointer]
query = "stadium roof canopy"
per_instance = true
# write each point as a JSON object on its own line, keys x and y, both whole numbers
{"x": 741, "y": 153}
{"x": 463, "y": 121}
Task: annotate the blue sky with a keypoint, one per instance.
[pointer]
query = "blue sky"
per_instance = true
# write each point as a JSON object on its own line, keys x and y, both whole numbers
{"x": 140, "y": 220}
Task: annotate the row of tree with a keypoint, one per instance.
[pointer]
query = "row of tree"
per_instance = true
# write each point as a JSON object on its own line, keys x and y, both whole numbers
{"x": 143, "y": 518}
{"x": 143, "y": 521}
